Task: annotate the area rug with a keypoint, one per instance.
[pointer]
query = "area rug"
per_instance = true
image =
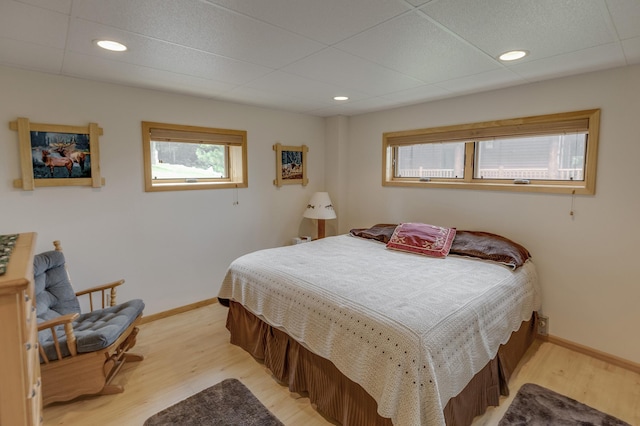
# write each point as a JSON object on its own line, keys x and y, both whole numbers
{"x": 538, "y": 406}
{"x": 229, "y": 403}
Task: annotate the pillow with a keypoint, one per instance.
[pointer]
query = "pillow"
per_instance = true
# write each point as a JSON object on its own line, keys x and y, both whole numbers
{"x": 421, "y": 238}
{"x": 488, "y": 246}
{"x": 381, "y": 232}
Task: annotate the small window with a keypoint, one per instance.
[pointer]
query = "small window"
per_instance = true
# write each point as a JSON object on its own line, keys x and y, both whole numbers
{"x": 551, "y": 153}
{"x": 178, "y": 157}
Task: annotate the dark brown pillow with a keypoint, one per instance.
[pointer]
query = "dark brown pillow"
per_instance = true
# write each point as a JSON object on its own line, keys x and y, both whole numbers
{"x": 381, "y": 232}
{"x": 488, "y": 246}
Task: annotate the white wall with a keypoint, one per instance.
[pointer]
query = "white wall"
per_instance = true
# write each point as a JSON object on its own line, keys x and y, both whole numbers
{"x": 336, "y": 167}
{"x": 172, "y": 248}
{"x": 588, "y": 265}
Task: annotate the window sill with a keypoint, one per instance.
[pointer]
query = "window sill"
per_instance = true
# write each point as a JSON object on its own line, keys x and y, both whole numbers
{"x": 187, "y": 186}
{"x": 496, "y": 186}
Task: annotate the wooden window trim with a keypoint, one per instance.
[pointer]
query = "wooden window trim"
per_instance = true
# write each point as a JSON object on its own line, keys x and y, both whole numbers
{"x": 587, "y": 120}
{"x": 235, "y": 142}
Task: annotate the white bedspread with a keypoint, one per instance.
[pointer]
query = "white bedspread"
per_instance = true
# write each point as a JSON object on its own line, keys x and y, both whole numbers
{"x": 411, "y": 330}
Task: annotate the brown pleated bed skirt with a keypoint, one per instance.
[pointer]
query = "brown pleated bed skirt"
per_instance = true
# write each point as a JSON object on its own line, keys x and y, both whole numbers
{"x": 343, "y": 400}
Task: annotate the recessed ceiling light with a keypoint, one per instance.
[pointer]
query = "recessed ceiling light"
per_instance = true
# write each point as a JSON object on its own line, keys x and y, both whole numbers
{"x": 111, "y": 45}
{"x": 341, "y": 98}
{"x": 513, "y": 55}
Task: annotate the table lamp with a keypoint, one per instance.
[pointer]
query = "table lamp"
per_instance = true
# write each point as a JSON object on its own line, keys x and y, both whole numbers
{"x": 320, "y": 208}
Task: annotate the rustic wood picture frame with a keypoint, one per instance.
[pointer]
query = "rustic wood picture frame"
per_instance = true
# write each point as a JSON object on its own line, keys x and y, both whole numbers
{"x": 291, "y": 165}
{"x": 68, "y": 156}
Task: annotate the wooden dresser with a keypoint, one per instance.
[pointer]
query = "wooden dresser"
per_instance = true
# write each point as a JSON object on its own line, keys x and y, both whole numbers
{"x": 20, "y": 385}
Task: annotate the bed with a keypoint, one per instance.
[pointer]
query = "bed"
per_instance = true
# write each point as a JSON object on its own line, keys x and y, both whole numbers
{"x": 382, "y": 336}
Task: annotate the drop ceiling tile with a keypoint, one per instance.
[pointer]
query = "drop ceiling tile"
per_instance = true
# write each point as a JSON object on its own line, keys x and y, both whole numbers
{"x": 626, "y": 17}
{"x": 593, "y": 59}
{"x": 415, "y": 46}
{"x": 153, "y": 53}
{"x": 354, "y": 108}
{"x": 201, "y": 26}
{"x": 418, "y": 2}
{"x": 62, "y": 6}
{"x": 31, "y": 56}
{"x": 253, "y": 96}
{"x": 342, "y": 69}
{"x": 20, "y": 21}
{"x": 100, "y": 69}
{"x": 424, "y": 93}
{"x": 543, "y": 27}
{"x": 301, "y": 87}
{"x": 324, "y": 108}
{"x": 631, "y": 49}
{"x": 482, "y": 82}
{"x": 326, "y": 21}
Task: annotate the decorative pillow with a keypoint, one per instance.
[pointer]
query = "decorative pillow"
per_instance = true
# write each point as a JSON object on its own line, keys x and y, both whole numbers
{"x": 488, "y": 246}
{"x": 421, "y": 238}
{"x": 381, "y": 232}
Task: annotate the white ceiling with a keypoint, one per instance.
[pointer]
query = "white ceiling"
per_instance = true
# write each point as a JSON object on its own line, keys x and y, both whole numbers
{"x": 296, "y": 55}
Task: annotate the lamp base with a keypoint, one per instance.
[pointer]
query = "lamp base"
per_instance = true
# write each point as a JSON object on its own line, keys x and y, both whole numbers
{"x": 321, "y": 228}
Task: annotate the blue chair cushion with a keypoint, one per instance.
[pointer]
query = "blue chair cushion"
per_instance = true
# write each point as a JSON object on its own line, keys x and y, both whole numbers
{"x": 99, "y": 329}
{"x": 55, "y": 297}
{"x": 94, "y": 330}
{"x": 54, "y": 294}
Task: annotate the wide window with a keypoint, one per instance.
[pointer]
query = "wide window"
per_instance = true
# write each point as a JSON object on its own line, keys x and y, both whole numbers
{"x": 178, "y": 157}
{"x": 550, "y": 153}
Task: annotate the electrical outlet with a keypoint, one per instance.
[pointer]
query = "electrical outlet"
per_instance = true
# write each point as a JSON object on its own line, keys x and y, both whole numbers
{"x": 543, "y": 325}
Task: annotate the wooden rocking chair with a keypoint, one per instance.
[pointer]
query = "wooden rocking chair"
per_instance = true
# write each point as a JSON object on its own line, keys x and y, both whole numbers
{"x": 80, "y": 353}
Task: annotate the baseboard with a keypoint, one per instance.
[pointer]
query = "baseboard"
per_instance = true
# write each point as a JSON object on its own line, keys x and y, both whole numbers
{"x": 145, "y": 319}
{"x": 594, "y": 353}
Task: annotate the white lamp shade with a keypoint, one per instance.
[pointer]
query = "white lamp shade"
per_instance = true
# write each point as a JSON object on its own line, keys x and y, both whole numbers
{"x": 320, "y": 207}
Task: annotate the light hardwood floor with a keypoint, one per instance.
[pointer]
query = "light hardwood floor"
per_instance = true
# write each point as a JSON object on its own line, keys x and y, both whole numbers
{"x": 189, "y": 352}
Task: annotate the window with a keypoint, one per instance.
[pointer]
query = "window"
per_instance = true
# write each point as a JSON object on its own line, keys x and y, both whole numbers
{"x": 438, "y": 160}
{"x": 550, "y": 153}
{"x": 178, "y": 157}
{"x": 552, "y": 157}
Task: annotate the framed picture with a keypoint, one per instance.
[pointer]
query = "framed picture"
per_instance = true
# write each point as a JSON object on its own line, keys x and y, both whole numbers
{"x": 57, "y": 155}
{"x": 291, "y": 165}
